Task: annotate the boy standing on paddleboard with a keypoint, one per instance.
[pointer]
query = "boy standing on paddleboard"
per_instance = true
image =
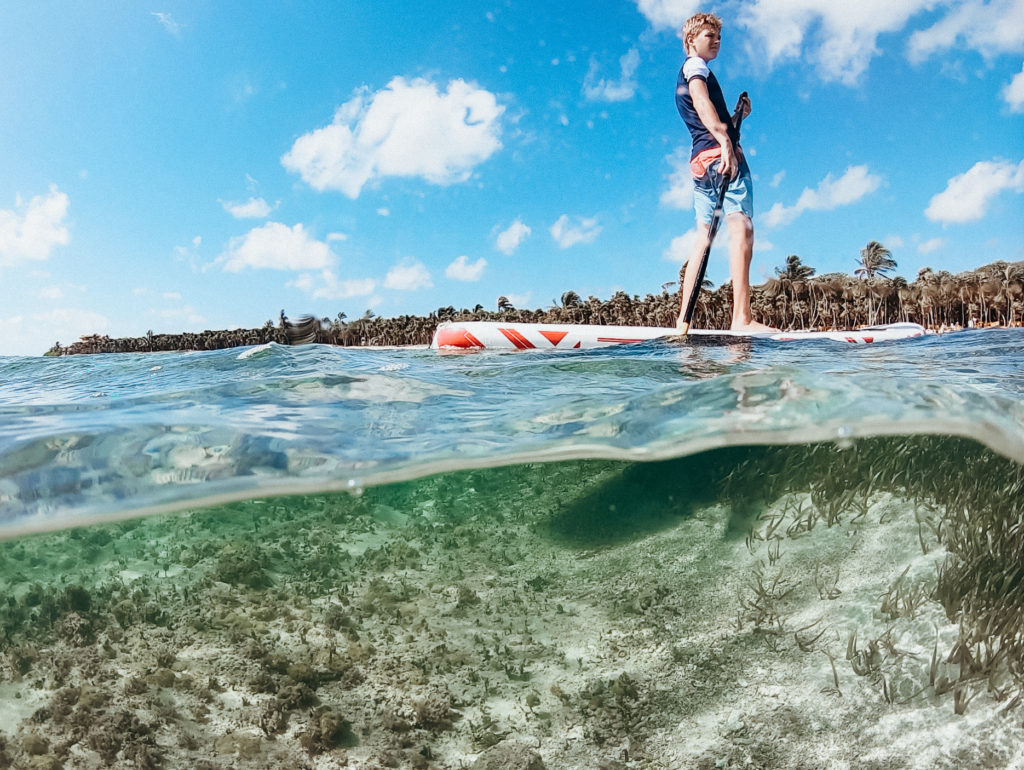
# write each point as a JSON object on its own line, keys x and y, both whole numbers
{"x": 716, "y": 157}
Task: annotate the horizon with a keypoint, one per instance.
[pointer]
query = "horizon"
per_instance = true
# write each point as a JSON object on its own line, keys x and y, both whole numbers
{"x": 183, "y": 168}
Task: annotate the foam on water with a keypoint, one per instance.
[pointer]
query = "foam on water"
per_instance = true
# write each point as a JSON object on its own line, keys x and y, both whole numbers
{"x": 102, "y": 436}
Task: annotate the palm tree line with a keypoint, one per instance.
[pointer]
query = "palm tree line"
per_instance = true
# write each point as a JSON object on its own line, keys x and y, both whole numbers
{"x": 794, "y": 298}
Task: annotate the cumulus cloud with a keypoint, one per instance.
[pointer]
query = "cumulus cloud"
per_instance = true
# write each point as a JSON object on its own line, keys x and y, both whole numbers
{"x": 932, "y": 244}
{"x": 508, "y": 240}
{"x": 680, "y": 248}
{"x": 838, "y": 38}
{"x": 968, "y": 195}
{"x": 408, "y": 129}
{"x": 566, "y": 234}
{"x": 32, "y": 334}
{"x": 854, "y": 184}
{"x": 185, "y": 314}
{"x": 254, "y": 208}
{"x": 275, "y": 246}
{"x": 462, "y": 270}
{"x": 1014, "y": 92}
{"x": 989, "y": 26}
{"x": 32, "y": 231}
{"x": 603, "y": 90}
{"x": 327, "y": 285}
{"x": 667, "y": 14}
{"x": 679, "y": 194}
{"x": 408, "y": 275}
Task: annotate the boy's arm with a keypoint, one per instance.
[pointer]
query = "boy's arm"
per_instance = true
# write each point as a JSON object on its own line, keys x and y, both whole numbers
{"x": 709, "y": 117}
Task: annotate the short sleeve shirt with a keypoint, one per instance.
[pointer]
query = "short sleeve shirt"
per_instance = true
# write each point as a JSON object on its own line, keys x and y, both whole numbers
{"x": 695, "y": 67}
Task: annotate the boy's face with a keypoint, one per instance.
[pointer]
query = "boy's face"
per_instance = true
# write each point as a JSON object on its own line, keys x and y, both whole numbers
{"x": 705, "y": 44}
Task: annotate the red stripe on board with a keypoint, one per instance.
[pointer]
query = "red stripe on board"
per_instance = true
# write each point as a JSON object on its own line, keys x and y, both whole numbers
{"x": 517, "y": 339}
{"x": 553, "y": 337}
{"x": 457, "y": 338}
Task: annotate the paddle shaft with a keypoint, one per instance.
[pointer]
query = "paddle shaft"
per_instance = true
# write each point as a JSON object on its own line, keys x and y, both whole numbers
{"x": 742, "y": 108}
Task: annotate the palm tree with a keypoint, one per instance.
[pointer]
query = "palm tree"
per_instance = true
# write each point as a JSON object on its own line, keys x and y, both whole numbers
{"x": 504, "y": 305}
{"x": 875, "y": 259}
{"x": 795, "y": 270}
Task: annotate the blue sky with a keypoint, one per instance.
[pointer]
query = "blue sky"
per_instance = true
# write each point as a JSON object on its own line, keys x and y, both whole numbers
{"x": 181, "y": 166}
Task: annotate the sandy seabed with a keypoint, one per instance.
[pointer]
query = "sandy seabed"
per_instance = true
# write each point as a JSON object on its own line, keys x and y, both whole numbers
{"x": 479, "y": 620}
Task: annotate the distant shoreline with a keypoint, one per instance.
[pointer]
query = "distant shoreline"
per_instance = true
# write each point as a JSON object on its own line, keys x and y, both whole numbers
{"x": 992, "y": 295}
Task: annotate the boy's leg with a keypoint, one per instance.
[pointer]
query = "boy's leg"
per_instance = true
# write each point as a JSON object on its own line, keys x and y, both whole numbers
{"x": 741, "y": 250}
{"x": 690, "y": 276}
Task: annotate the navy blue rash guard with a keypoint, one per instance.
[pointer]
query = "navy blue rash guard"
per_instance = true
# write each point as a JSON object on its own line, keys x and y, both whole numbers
{"x": 695, "y": 67}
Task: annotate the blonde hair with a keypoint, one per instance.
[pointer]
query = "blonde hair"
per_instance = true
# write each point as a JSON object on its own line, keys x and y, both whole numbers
{"x": 696, "y": 24}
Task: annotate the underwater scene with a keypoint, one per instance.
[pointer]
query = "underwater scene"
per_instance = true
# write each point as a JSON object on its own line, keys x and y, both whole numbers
{"x": 715, "y": 554}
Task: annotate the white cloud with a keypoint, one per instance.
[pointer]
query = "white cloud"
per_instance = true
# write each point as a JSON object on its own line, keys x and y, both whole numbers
{"x": 520, "y": 301}
{"x": 462, "y": 270}
{"x": 1013, "y": 93}
{"x": 854, "y": 184}
{"x": 989, "y": 26}
{"x": 172, "y": 295}
{"x": 681, "y": 247}
{"x": 33, "y": 232}
{"x": 275, "y": 246}
{"x": 168, "y": 23}
{"x": 327, "y": 285}
{"x": 895, "y": 241}
{"x": 508, "y": 240}
{"x": 254, "y": 208}
{"x": 33, "y": 334}
{"x": 967, "y": 195}
{"x": 667, "y": 14}
{"x": 51, "y": 292}
{"x": 408, "y": 275}
{"x": 619, "y": 90}
{"x": 679, "y": 194}
{"x": 185, "y": 314}
{"x": 565, "y": 234}
{"x": 838, "y": 38}
{"x": 777, "y": 179}
{"x": 933, "y": 244}
{"x": 408, "y": 129}
{"x": 331, "y": 237}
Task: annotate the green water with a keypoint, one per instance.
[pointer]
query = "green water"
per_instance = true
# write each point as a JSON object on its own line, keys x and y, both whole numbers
{"x": 767, "y": 607}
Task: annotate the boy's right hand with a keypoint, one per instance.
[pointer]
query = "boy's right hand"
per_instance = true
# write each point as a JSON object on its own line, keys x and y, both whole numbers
{"x": 728, "y": 166}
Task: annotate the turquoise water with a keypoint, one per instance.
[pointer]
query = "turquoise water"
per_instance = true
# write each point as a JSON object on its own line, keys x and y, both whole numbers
{"x": 706, "y": 555}
{"x": 89, "y": 436}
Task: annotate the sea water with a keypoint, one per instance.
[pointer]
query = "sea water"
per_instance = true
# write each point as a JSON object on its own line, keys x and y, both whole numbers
{"x": 716, "y": 553}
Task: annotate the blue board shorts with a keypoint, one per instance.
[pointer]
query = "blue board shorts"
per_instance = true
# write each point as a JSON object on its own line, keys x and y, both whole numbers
{"x": 739, "y": 198}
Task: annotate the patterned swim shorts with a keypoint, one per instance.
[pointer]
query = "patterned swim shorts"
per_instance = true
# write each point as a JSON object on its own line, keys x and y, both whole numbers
{"x": 739, "y": 198}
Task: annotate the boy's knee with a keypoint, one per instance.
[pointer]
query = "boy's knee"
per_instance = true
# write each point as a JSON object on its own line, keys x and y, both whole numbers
{"x": 741, "y": 224}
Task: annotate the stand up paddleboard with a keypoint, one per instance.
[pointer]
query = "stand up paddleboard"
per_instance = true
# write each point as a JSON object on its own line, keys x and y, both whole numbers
{"x": 498, "y": 335}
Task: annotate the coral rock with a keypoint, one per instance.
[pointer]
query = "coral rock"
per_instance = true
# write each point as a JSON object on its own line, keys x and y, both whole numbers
{"x": 509, "y": 755}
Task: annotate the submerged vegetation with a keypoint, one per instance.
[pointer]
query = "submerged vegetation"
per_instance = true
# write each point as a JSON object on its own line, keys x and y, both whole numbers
{"x": 794, "y": 298}
{"x": 574, "y": 614}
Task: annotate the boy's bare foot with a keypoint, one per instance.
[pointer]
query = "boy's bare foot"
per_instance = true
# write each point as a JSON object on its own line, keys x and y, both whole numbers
{"x": 752, "y": 327}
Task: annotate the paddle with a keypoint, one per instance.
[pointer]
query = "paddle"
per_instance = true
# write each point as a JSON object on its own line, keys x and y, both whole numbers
{"x": 741, "y": 111}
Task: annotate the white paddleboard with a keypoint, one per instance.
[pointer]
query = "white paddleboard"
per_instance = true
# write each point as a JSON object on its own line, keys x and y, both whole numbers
{"x": 499, "y": 335}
